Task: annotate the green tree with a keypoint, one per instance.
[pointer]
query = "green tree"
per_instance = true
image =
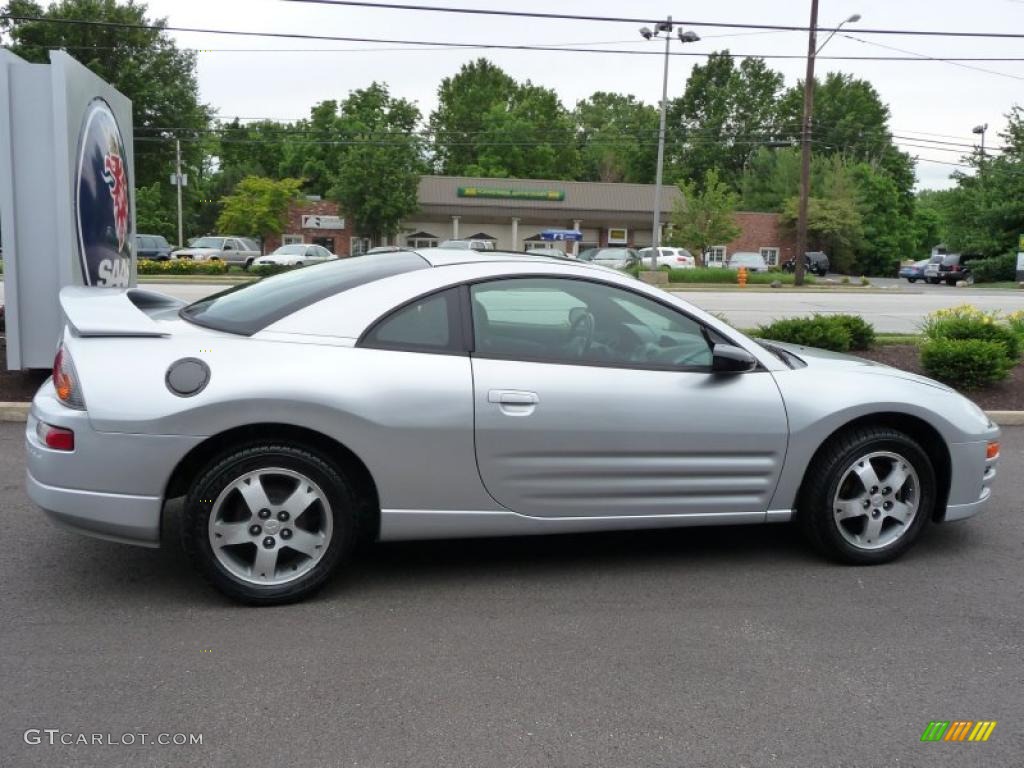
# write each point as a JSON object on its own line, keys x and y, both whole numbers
{"x": 531, "y": 138}
{"x": 704, "y": 216}
{"x": 376, "y": 181}
{"x": 984, "y": 214}
{"x": 258, "y": 207}
{"x": 316, "y": 148}
{"x": 618, "y": 138}
{"x": 463, "y": 103}
{"x": 725, "y": 113}
{"x": 931, "y": 216}
{"x": 143, "y": 64}
{"x": 151, "y": 214}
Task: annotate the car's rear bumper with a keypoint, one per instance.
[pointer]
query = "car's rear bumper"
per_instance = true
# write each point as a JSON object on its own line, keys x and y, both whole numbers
{"x": 112, "y": 485}
{"x": 112, "y": 516}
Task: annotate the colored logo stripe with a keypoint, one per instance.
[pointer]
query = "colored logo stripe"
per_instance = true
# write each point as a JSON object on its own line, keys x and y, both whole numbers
{"x": 958, "y": 730}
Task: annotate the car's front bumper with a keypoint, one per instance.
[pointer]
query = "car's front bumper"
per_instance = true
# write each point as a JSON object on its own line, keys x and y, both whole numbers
{"x": 111, "y": 485}
{"x": 970, "y": 489}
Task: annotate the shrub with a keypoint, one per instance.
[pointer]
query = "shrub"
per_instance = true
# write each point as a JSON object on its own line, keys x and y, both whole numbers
{"x": 995, "y": 268}
{"x": 966, "y": 322}
{"x": 966, "y": 363}
{"x": 1015, "y": 320}
{"x": 720, "y": 275}
{"x": 862, "y": 333}
{"x": 181, "y": 267}
{"x": 818, "y": 331}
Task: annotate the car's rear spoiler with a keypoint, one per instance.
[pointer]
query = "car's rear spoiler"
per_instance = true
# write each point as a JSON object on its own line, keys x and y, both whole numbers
{"x": 114, "y": 312}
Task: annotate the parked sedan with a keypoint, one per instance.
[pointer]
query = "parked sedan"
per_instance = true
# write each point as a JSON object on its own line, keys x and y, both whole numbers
{"x": 237, "y": 251}
{"x": 296, "y": 255}
{"x": 914, "y": 272}
{"x": 754, "y": 262}
{"x": 615, "y": 258}
{"x": 152, "y": 247}
{"x": 669, "y": 258}
{"x": 439, "y": 394}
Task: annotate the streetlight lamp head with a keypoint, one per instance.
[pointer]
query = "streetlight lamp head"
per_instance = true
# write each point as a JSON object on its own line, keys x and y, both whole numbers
{"x": 646, "y": 33}
{"x": 853, "y": 19}
{"x": 689, "y": 36}
{"x": 664, "y": 26}
{"x": 980, "y": 128}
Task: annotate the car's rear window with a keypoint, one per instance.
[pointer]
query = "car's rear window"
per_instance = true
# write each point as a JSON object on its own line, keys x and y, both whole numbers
{"x": 248, "y": 309}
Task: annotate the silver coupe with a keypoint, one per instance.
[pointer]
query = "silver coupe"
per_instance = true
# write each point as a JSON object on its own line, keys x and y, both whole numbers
{"x": 444, "y": 393}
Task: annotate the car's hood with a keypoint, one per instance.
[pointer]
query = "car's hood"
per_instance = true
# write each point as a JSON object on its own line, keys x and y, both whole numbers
{"x": 191, "y": 251}
{"x": 821, "y": 359}
{"x": 274, "y": 259}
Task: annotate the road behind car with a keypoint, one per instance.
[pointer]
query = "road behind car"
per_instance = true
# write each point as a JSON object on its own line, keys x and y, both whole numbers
{"x": 685, "y": 647}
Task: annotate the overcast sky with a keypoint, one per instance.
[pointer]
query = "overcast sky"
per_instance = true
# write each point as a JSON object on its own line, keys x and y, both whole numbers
{"x": 924, "y": 97}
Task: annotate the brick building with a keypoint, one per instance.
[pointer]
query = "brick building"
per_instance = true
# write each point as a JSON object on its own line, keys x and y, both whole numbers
{"x": 759, "y": 233}
{"x": 318, "y": 222}
{"x": 513, "y": 212}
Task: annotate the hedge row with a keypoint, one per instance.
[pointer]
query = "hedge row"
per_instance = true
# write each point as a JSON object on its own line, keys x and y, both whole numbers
{"x": 970, "y": 348}
{"x": 839, "y": 333}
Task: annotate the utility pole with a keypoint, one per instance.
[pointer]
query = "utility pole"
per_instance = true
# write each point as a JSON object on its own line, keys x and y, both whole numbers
{"x": 178, "y": 180}
{"x": 805, "y": 149}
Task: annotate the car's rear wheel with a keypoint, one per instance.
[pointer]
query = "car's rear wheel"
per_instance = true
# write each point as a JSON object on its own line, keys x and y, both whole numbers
{"x": 868, "y": 495}
{"x": 248, "y": 263}
{"x": 911, "y": 279}
{"x": 268, "y": 523}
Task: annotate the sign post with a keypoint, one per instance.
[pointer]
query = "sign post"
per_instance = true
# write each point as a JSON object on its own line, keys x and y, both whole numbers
{"x": 67, "y": 209}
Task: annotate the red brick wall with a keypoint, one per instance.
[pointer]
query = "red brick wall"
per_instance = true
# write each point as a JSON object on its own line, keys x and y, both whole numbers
{"x": 312, "y": 208}
{"x": 762, "y": 230}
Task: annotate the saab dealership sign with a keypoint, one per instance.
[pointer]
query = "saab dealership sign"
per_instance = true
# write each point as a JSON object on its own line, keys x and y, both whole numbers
{"x": 67, "y": 208}
{"x": 103, "y": 200}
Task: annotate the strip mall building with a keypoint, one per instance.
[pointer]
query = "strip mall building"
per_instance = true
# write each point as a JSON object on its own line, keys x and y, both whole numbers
{"x": 512, "y": 213}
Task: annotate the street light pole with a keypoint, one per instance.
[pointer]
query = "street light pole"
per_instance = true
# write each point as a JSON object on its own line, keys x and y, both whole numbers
{"x": 684, "y": 37}
{"x": 805, "y": 138}
{"x": 980, "y": 129}
{"x": 659, "y": 173}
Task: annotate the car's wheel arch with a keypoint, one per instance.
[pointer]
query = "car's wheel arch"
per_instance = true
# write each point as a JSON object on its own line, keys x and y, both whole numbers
{"x": 355, "y": 470}
{"x": 923, "y": 433}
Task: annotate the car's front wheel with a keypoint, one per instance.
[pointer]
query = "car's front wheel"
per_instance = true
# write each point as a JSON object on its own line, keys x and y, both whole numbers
{"x": 269, "y": 522}
{"x": 868, "y": 495}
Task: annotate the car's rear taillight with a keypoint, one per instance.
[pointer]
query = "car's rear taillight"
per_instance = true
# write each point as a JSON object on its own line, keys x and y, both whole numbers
{"x": 65, "y": 380}
{"x": 57, "y": 438}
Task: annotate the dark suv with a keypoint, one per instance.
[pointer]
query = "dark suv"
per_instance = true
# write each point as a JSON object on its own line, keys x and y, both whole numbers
{"x": 815, "y": 262}
{"x": 949, "y": 267}
{"x": 153, "y": 247}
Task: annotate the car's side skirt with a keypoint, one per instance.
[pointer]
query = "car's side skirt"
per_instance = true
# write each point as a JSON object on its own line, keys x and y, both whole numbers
{"x": 408, "y": 524}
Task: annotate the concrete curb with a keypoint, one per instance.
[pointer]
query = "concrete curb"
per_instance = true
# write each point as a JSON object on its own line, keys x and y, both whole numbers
{"x": 19, "y": 412}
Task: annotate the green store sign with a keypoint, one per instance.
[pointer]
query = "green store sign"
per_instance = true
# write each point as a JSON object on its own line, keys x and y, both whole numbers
{"x": 499, "y": 193}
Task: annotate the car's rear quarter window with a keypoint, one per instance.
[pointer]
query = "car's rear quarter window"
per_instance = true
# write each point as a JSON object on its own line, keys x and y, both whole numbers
{"x": 250, "y": 308}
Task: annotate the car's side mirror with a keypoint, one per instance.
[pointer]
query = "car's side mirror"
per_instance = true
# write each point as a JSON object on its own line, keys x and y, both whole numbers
{"x": 725, "y": 358}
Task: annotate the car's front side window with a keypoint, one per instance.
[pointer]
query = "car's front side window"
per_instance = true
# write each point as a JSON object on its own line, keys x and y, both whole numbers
{"x": 571, "y": 321}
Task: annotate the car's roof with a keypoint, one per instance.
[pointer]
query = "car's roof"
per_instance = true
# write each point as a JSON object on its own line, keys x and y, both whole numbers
{"x": 445, "y": 257}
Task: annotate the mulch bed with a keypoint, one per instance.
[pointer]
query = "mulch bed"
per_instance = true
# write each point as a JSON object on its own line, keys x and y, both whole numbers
{"x": 18, "y": 386}
{"x": 1007, "y": 395}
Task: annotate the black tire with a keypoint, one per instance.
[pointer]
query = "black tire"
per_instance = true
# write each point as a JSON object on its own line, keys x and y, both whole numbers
{"x": 814, "y": 508}
{"x": 933, "y": 281}
{"x": 227, "y": 468}
{"x": 248, "y": 263}
{"x": 951, "y": 283}
{"x": 911, "y": 279}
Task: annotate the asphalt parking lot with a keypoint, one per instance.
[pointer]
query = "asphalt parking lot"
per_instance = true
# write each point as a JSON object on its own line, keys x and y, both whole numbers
{"x": 699, "y": 647}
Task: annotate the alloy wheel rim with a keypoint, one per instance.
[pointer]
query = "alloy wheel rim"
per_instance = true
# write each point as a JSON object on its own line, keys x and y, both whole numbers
{"x": 270, "y": 526}
{"x": 877, "y": 500}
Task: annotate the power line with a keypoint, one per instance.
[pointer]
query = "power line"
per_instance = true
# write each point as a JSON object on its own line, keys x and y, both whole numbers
{"x": 925, "y": 57}
{"x": 480, "y": 46}
{"x": 647, "y": 20}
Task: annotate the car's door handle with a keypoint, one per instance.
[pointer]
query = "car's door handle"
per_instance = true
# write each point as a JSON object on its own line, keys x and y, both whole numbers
{"x": 512, "y": 397}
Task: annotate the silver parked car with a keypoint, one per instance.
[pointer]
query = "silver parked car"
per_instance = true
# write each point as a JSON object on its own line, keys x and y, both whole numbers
{"x": 295, "y": 255}
{"x": 614, "y": 258}
{"x": 237, "y": 251}
{"x": 443, "y": 393}
{"x": 754, "y": 262}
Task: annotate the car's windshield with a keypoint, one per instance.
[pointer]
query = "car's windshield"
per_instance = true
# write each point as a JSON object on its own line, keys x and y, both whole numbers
{"x": 250, "y": 308}
{"x": 287, "y": 250}
{"x": 208, "y": 242}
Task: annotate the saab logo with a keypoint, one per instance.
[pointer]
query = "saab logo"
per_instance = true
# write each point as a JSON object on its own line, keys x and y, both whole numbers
{"x": 103, "y": 203}
{"x": 958, "y": 730}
